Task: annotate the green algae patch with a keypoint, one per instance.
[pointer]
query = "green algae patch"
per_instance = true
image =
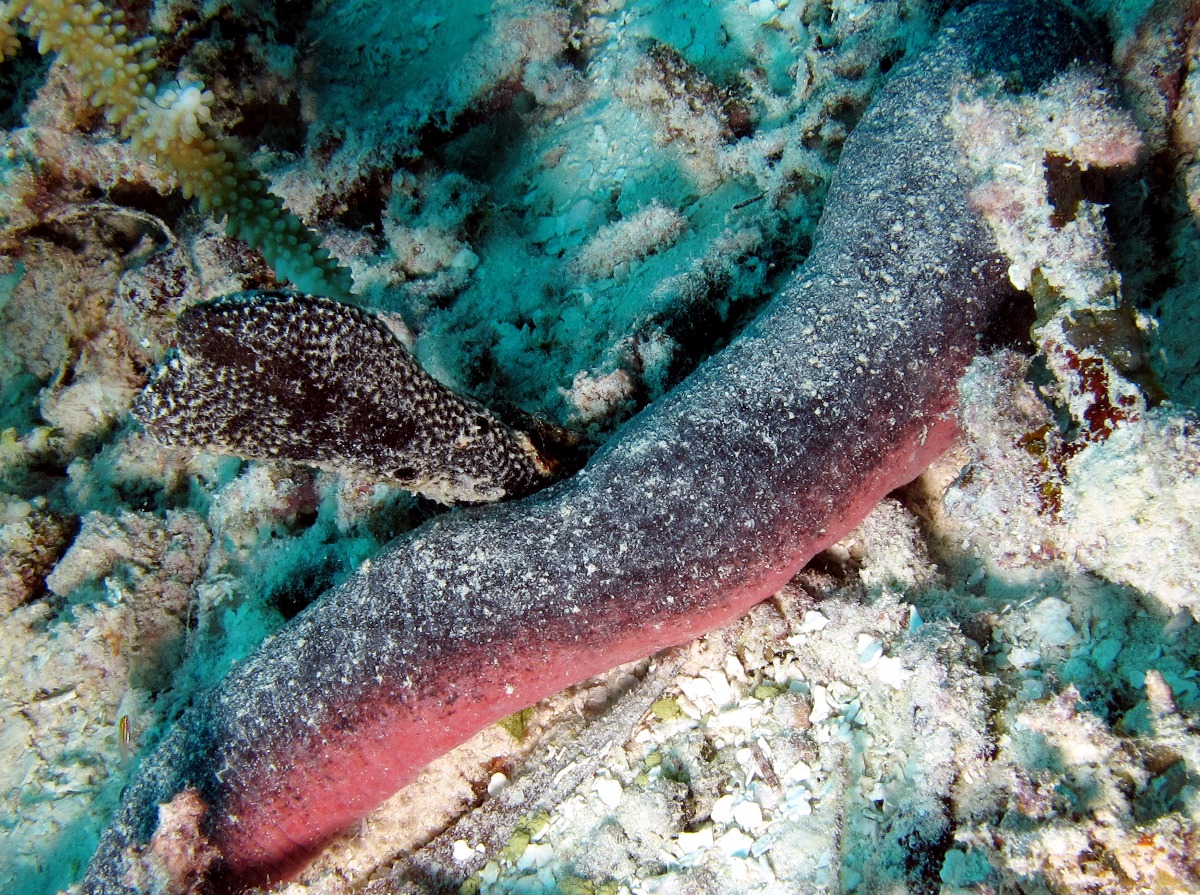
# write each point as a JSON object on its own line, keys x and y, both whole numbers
{"x": 763, "y": 692}
{"x": 524, "y": 832}
{"x": 517, "y": 724}
{"x": 666, "y": 709}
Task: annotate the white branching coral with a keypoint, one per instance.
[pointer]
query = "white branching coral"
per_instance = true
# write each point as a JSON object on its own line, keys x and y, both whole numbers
{"x": 181, "y": 113}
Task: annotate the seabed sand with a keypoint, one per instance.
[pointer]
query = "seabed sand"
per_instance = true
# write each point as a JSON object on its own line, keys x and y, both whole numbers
{"x": 990, "y": 686}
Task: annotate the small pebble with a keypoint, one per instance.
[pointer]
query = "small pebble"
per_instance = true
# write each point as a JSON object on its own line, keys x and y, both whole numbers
{"x": 497, "y": 782}
{"x": 609, "y": 791}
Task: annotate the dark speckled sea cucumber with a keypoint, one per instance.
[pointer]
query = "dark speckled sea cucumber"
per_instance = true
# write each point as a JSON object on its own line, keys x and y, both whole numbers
{"x": 317, "y": 381}
{"x": 707, "y": 502}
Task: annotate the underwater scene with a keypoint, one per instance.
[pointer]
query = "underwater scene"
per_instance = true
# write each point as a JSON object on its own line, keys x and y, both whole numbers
{"x": 600, "y": 447}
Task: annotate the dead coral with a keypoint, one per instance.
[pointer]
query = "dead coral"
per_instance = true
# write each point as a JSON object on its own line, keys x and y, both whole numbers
{"x": 60, "y": 326}
{"x": 689, "y": 107}
{"x": 32, "y": 539}
{"x": 150, "y": 296}
{"x": 100, "y": 389}
{"x": 689, "y": 110}
{"x": 147, "y": 566}
{"x": 614, "y": 247}
{"x": 68, "y": 677}
{"x": 1114, "y": 486}
{"x": 263, "y": 502}
{"x": 1042, "y": 164}
{"x": 1080, "y": 817}
{"x": 179, "y": 848}
{"x": 63, "y": 297}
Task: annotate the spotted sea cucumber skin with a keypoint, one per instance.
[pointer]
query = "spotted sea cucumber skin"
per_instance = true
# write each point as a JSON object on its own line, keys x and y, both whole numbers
{"x": 707, "y": 502}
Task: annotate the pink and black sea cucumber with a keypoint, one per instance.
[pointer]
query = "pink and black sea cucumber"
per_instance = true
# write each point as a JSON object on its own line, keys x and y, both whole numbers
{"x": 710, "y": 500}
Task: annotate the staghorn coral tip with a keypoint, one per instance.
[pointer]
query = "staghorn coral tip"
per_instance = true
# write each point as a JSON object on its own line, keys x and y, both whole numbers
{"x": 172, "y": 126}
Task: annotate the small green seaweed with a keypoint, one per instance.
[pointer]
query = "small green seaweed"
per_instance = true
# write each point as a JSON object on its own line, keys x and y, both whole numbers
{"x": 517, "y": 724}
{"x": 523, "y": 833}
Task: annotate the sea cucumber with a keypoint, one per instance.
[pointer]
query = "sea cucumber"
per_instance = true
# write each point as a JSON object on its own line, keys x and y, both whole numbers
{"x": 326, "y": 383}
{"x": 840, "y": 391}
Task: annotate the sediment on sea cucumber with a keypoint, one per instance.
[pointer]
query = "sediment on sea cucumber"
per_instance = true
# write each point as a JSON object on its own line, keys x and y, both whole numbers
{"x": 707, "y": 502}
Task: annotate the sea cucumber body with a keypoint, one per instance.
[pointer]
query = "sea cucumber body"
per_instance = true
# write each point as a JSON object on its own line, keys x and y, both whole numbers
{"x": 707, "y": 502}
